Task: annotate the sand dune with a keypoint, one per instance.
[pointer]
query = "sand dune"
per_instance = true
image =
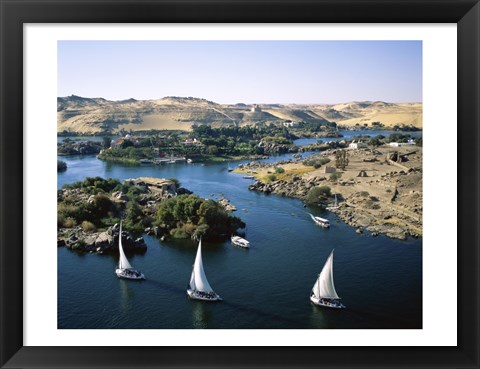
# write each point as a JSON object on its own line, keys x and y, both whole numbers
{"x": 96, "y": 115}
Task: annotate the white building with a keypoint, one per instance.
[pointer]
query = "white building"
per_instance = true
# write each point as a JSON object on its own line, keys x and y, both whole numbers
{"x": 357, "y": 145}
{"x": 398, "y": 144}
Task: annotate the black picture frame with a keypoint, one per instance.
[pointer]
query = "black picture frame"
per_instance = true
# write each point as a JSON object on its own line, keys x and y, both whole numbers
{"x": 15, "y": 13}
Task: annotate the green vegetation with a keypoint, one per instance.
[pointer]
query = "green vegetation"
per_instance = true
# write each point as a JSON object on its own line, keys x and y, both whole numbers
{"x": 187, "y": 216}
{"x": 279, "y": 170}
{"x": 106, "y": 140}
{"x": 318, "y": 195}
{"x": 61, "y": 166}
{"x": 239, "y": 141}
{"x": 88, "y": 227}
{"x": 335, "y": 176}
{"x": 318, "y": 126}
{"x": 203, "y": 143}
{"x": 128, "y": 154}
{"x": 398, "y": 137}
{"x": 316, "y": 163}
{"x": 341, "y": 159}
{"x": 94, "y": 207}
{"x": 271, "y": 177}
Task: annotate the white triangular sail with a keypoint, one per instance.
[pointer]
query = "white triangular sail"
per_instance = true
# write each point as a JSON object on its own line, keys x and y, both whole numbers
{"x": 198, "y": 280}
{"x": 316, "y": 289}
{"x": 324, "y": 287}
{"x": 123, "y": 261}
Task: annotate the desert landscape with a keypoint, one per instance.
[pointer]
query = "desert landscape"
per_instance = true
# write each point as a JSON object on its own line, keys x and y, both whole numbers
{"x": 80, "y": 115}
{"x": 379, "y": 190}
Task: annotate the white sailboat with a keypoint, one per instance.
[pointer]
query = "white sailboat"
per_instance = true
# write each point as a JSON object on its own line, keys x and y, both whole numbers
{"x": 322, "y": 222}
{"x": 323, "y": 291}
{"x": 199, "y": 288}
{"x": 335, "y": 206}
{"x": 125, "y": 270}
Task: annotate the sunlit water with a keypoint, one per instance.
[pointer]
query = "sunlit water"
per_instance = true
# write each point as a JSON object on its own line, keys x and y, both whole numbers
{"x": 267, "y": 286}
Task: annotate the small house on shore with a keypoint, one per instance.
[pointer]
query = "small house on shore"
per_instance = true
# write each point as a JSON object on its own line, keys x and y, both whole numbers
{"x": 357, "y": 145}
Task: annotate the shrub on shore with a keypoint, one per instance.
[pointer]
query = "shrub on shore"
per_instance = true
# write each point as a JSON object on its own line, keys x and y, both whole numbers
{"x": 88, "y": 227}
{"x": 318, "y": 195}
{"x": 316, "y": 163}
{"x": 191, "y": 216}
{"x": 61, "y": 166}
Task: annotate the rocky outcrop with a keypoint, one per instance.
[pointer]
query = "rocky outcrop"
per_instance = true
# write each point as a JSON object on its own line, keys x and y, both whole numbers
{"x": 273, "y": 148}
{"x": 77, "y": 239}
{"x": 227, "y": 205}
{"x": 297, "y": 188}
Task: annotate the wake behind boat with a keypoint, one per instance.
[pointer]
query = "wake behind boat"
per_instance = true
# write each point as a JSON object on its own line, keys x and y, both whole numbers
{"x": 239, "y": 241}
{"x": 125, "y": 270}
{"x": 199, "y": 288}
{"x": 323, "y": 291}
{"x": 322, "y": 222}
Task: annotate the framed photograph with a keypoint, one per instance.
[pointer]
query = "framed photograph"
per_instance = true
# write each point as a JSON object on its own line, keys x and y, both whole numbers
{"x": 268, "y": 184}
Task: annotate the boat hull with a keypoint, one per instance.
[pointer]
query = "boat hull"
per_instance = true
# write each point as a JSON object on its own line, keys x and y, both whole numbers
{"x": 332, "y": 208}
{"x": 194, "y": 295}
{"x": 324, "y": 223}
{"x": 137, "y": 276}
{"x": 333, "y": 304}
{"x": 244, "y": 244}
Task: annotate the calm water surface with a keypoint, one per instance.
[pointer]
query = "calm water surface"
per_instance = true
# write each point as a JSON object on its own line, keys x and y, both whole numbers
{"x": 267, "y": 286}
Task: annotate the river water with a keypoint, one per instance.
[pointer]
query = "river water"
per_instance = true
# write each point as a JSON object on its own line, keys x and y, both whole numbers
{"x": 267, "y": 286}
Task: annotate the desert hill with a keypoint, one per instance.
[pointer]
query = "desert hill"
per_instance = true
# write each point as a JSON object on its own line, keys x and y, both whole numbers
{"x": 77, "y": 114}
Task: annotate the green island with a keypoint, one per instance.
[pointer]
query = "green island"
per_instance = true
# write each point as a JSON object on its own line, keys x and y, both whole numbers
{"x": 89, "y": 211}
{"x": 206, "y": 144}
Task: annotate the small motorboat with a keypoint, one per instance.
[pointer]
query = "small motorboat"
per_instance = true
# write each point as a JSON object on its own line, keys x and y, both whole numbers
{"x": 239, "y": 241}
{"x": 322, "y": 222}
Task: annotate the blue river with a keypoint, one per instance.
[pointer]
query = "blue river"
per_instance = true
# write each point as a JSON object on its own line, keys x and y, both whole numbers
{"x": 267, "y": 286}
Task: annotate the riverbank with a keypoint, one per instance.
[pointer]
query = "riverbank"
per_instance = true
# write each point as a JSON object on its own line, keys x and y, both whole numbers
{"x": 380, "y": 190}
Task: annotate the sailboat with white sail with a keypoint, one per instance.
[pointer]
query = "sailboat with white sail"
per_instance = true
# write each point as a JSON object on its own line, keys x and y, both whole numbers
{"x": 125, "y": 270}
{"x": 334, "y": 206}
{"x": 323, "y": 291}
{"x": 199, "y": 288}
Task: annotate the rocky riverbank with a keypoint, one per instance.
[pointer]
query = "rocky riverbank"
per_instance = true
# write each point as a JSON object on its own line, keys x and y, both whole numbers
{"x": 77, "y": 239}
{"x": 374, "y": 193}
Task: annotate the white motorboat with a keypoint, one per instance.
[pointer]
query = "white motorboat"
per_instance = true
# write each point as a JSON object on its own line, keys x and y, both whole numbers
{"x": 146, "y": 161}
{"x": 199, "y": 288}
{"x": 125, "y": 270}
{"x": 323, "y": 291}
{"x": 239, "y": 241}
{"x": 322, "y": 222}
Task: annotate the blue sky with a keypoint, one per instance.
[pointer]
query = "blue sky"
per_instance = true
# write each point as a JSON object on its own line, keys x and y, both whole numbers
{"x": 243, "y": 71}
